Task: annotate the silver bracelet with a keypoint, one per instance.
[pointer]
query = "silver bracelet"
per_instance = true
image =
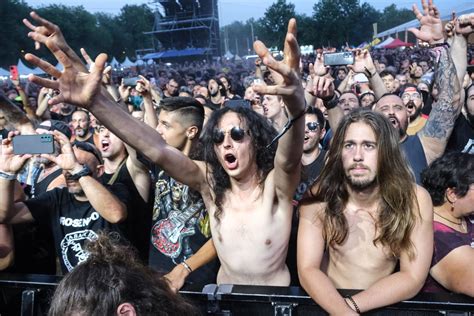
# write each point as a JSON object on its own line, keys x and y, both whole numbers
{"x": 7, "y": 175}
{"x": 187, "y": 267}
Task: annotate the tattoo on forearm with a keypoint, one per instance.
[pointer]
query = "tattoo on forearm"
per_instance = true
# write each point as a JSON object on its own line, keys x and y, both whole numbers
{"x": 445, "y": 109}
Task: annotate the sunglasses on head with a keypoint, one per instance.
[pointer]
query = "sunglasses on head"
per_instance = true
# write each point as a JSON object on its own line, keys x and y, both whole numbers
{"x": 312, "y": 126}
{"x": 236, "y": 133}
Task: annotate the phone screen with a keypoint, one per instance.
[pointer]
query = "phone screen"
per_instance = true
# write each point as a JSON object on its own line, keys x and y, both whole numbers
{"x": 14, "y": 72}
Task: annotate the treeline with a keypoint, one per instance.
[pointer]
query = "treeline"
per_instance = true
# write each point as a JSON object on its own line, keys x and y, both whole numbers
{"x": 117, "y": 35}
{"x": 333, "y": 22}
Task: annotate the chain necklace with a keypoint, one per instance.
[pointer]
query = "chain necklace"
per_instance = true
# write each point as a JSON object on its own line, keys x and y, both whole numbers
{"x": 461, "y": 223}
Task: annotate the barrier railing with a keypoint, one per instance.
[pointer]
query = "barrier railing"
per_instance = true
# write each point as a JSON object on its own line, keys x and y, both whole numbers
{"x": 29, "y": 294}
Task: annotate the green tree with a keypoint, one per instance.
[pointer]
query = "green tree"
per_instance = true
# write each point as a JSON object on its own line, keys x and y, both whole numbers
{"x": 392, "y": 16}
{"x": 134, "y": 21}
{"x": 271, "y": 28}
{"x": 13, "y": 34}
{"x": 343, "y": 21}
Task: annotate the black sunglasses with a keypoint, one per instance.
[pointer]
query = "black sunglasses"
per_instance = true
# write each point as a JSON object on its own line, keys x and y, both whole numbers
{"x": 312, "y": 126}
{"x": 236, "y": 133}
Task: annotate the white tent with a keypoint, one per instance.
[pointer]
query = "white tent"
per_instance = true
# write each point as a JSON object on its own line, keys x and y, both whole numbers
{"x": 228, "y": 55}
{"x": 127, "y": 63}
{"x": 114, "y": 63}
{"x": 384, "y": 43}
{"x": 22, "y": 69}
{"x": 4, "y": 73}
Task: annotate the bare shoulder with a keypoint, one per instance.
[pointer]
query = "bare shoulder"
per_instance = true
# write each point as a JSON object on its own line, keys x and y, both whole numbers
{"x": 312, "y": 211}
{"x": 424, "y": 202}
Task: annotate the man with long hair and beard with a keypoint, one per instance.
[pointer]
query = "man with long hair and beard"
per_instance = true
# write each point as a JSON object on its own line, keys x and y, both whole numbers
{"x": 366, "y": 215}
{"x": 249, "y": 199}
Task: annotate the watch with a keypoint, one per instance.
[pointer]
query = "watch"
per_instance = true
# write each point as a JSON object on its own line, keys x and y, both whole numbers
{"x": 85, "y": 171}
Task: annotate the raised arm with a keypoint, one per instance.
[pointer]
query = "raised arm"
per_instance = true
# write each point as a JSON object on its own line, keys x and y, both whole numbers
{"x": 288, "y": 86}
{"x": 363, "y": 63}
{"x": 10, "y": 164}
{"x": 101, "y": 199}
{"x": 409, "y": 280}
{"x": 437, "y": 130}
{"x": 84, "y": 90}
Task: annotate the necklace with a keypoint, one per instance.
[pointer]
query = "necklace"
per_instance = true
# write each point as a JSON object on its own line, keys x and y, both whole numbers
{"x": 447, "y": 219}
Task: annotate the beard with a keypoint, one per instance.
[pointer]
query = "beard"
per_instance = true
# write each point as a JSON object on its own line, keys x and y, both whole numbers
{"x": 417, "y": 112}
{"x": 360, "y": 183}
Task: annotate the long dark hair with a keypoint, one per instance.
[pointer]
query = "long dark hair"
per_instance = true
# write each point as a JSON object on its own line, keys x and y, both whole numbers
{"x": 398, "y": 209}
{"x": 261, "y": 133}
{"x": 113, "y": 275}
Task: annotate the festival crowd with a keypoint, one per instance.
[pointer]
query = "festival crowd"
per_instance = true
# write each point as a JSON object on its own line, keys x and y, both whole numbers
{"x": 275, "y": 171}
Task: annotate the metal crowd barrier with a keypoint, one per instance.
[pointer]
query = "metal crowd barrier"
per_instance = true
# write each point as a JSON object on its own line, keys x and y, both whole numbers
{"x": 29, "y": 295}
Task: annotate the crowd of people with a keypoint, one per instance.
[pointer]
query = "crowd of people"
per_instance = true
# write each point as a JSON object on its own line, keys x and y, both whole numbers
{"x": 283, "y": 171}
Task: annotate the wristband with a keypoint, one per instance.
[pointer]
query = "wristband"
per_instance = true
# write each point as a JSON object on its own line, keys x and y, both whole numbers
{"x": 444, "y": 44}
{"x": 332, "y": 103}
{"x": 353, "y": 303}
{"x": 85, "y": 171}
{"x": 288, "y": 125}
{"x": 186, "y": 266}
{"x": 7, "y": 175}
{"x": 368, "y": 74}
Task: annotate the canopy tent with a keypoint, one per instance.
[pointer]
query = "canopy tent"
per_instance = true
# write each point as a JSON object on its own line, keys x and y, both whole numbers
{"x": 22, "y": 69}
{"x": 4, "y": 73}
{"x": 397, "y": 43}
{"x": 127, "y": 63}
{"x": 228, "y": 55}
{"x": 176, "y": 53}
{"x": 447, "y": 15}
{"x": 114, "y": 63}
{"x": 384, "y": 43}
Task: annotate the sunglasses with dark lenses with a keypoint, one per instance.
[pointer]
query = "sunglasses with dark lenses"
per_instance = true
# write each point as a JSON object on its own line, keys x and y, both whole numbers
{"x": 236, "y": 133}
{"x": 312, "y": 126}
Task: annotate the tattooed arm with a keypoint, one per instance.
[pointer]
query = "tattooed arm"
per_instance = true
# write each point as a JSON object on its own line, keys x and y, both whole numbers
{"x": 435, "y": 134}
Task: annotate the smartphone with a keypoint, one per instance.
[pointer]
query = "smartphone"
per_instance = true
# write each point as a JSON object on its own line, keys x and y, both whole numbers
{"x": 237, "y": 103}
{"x": 338, "y": 59}
{"x": 130, "y": 82}
{"x": 14, "y": 72}
{"x": 33, "y": 144}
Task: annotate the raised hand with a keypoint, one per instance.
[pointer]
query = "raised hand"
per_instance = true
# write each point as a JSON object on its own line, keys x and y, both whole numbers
{"x": 363, "y": 62}
{"x": 431, "y": 26}
{"x": 66, "y": 159}
{"x": 318, "y": 68}
{"x": 76, "y": 87}
{"x": 465, "y": 24}
{"x": 9, "y": 162}
{"x": 49, "y": 34}
{"x": 288, "y": 85}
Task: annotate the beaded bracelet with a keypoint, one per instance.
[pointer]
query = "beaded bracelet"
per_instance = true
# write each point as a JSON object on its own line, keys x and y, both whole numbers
{"x": 353, "y": 303}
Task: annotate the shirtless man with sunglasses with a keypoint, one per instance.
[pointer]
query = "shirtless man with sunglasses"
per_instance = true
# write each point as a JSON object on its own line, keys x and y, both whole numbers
{"x": 249, "y": 200}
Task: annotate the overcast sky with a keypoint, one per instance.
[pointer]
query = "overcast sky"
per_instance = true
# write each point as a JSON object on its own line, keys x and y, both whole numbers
{"x": 242, "y": 10}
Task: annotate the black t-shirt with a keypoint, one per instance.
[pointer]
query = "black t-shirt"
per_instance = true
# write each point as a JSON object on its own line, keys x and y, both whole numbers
{"x": 462, "y": 138}
{"x": 137, "y": 225}
{"x": 60, "y": 117}
{"x": 309, "y": 174}
{"x": 180, "y": 228}
{"x": 3, "y": 133}
{"x": 71, "y": 221}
